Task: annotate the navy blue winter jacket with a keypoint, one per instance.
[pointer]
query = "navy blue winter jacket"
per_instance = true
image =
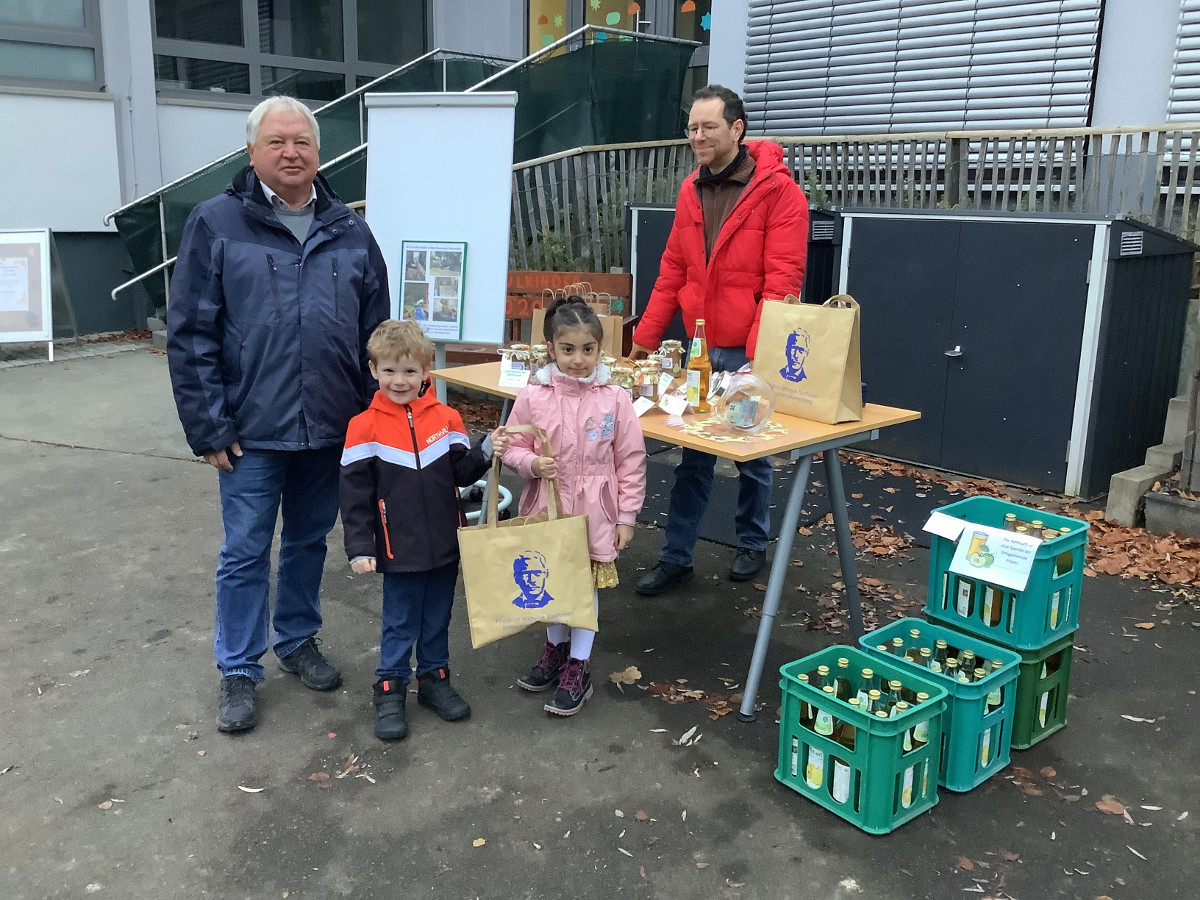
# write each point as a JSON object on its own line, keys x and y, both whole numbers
{"x": 266, "y": 338}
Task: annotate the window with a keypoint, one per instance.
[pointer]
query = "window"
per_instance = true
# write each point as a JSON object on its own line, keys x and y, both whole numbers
{"x": 312, "y": 49}
{"x": 391, "y": 31}
{"x": 53, "y": 43}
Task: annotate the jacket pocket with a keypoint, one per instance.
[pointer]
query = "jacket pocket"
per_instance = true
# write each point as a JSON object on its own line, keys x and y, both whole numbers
{"x": 608, "y": 502}
{"x": 387, "y": 540}
{"x": 337, "y": 291}
{"x": 274, "y": 272}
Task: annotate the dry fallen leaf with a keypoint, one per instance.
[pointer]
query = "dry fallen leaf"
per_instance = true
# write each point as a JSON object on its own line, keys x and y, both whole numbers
{"x": 1146, "y": 626}
{"x": 965, "y": 864}
{"x": 641, "y": 815}
{"x": 107, "y": 804}
{"x": 701, "y": 865}
{"x": 626, "y": 852}
{"x": 250, "y": 790}
{"x": 199, "y": 752}
{"x": 1048, "y": 772}
{"x": 1111, "y": 806}
{"x": 1009, "y": 856}
{"x": 478, "y": 842}
{"x": 630, "y": 675}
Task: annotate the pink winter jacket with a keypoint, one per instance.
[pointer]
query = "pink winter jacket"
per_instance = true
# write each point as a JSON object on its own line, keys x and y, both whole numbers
{"x": 598, "y": 444}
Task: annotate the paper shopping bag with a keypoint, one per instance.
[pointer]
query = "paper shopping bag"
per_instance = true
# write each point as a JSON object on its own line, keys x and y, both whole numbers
{"x": 810, "y": 355}
{"x": 526, "y": 570}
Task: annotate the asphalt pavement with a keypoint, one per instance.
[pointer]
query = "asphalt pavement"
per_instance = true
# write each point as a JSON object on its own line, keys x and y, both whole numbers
{"x": 114, "y": 781}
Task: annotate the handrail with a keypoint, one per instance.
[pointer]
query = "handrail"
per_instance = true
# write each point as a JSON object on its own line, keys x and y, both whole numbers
{"x": 357, "y": 92}
{"x": 132, "y": 281}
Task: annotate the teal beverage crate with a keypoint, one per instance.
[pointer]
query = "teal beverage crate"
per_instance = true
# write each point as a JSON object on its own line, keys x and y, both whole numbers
{"x": 975, "y": 741}
{"x": 875, "y": 784}
{"x": 1046, "y": 610}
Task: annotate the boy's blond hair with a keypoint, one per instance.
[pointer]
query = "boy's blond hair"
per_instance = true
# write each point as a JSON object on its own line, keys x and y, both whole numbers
{"x": 393, "y": 341}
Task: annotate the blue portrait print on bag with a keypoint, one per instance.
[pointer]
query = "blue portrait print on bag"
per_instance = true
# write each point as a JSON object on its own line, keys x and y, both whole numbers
{"x": 795, "y": 354}
{"x": 530, "y": 573}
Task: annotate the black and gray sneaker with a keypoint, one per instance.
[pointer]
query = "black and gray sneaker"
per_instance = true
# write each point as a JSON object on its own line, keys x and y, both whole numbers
{"x": 391, "y": 724}
{"x": 574, "y": 688}
{"x": 315, "y": 671}
{"x": 545, "y": 672}
{"x": 237, "y": 710}
{"x": 435, "y": 691}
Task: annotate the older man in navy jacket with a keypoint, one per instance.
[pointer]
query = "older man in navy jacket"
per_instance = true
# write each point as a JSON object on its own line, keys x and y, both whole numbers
{"x": 276, "y": 289}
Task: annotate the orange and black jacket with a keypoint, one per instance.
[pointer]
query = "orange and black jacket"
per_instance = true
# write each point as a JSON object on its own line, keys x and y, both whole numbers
{"x": 401, "y": 470}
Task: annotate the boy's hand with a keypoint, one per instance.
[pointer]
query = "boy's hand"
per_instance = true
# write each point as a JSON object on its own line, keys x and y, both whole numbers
{"x": 363, "y": 566}
{"x": 499, "y": 441}
{"x": 544, "y": 467}
{"x": 624, "y": 536}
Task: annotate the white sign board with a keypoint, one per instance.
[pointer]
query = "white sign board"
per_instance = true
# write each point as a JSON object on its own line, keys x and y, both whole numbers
{"x": 439, "y": 170}
{"x": 25, "y": 286}
{"x": 995, "y": 556}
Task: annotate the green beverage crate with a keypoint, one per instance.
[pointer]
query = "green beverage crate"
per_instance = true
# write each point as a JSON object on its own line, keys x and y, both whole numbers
{"x": 975, "y": 743}
{"x": 1030, "y": 723}
{"x": 878, "y": 785}
{"x": 1046, "y": 610}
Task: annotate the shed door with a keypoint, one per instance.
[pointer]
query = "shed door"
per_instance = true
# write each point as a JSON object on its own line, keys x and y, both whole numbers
{"x": 1019, "y": 306}
{"x": 1007, "y": 300}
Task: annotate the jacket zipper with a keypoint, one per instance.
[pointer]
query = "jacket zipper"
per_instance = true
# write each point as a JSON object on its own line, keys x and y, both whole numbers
{"x": 275, "y": 285}
{"x": 387, "y": 541}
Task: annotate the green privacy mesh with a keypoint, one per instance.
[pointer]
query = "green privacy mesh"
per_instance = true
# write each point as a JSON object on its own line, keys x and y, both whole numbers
{"x": 616, "y": 89}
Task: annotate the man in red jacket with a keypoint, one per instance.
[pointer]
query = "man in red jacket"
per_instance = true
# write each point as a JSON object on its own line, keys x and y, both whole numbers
{"x": 740, "y": 236}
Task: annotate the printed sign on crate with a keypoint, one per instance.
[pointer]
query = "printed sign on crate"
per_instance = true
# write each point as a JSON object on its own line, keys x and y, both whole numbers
{"x": 989, "y": 554}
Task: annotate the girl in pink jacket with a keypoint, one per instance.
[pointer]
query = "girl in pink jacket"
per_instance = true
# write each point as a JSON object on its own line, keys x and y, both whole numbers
{"x": 600, "y": 464}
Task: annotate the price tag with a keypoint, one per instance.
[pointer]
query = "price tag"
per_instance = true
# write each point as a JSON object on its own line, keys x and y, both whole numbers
{"x": 513, "y": 376}
{"x": 674, "y": 404}
{"x": 641, "y": 405}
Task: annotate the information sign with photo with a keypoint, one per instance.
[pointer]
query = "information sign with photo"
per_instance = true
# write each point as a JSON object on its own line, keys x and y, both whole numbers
{"x": 432, "y": 291}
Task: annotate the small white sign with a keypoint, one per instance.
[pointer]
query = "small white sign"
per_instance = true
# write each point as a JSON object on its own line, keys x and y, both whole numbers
{"x": 674, "y": 404}
{"x": 664, "y": 383}
{"x": 642, "y": 405}
{"x": 994, "y": 555}
{"x": 945, "y": 526}
{"x": 513, "y": 376}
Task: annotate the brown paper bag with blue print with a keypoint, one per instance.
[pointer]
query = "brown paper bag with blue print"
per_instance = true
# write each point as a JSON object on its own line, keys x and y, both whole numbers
{"x": 810, "y": 355}
{"x": 526, "y": 570}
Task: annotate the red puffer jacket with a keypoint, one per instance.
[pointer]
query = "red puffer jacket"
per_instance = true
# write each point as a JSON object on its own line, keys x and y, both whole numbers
{"x": 760, "y": 253}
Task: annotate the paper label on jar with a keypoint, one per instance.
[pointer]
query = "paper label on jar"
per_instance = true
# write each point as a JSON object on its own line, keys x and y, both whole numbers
{"x": 641, "y": 405}
{"x": 664, "y": 383}
{"x": 906, "y": 789}
{"x": 513, "y": 375}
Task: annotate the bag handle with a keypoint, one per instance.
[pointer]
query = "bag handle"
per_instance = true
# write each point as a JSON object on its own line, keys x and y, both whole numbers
{"x": 841, "y": 301}
{"x": 553, "y": 500}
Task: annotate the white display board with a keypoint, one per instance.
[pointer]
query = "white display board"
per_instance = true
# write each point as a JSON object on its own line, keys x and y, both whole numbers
{"x": 439, "y": 171}
{"x": 25, "y": 286}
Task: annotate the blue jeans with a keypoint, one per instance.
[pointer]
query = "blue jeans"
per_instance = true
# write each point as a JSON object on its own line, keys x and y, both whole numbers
{"x": 693, "y": 486}
{"x": 305, "y": 484}
{"x": 416, "y": 612}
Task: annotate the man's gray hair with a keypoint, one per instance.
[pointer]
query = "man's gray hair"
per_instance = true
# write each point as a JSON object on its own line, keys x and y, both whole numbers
{"x": 275, "y": 104}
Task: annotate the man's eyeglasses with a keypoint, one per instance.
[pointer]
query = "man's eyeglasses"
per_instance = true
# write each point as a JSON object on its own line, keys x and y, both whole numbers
{"x": 694, "y": 130}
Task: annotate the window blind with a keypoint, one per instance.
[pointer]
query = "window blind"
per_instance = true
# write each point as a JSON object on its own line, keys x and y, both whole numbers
{"x": 856, "y": 66}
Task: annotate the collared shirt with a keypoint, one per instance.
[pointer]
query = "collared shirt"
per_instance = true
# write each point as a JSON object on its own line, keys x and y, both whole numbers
{"x": 298, "y": 221}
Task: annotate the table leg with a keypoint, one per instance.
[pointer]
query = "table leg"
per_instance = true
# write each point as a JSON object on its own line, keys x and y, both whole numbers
{"x": 845, "y": 542}
{"x": 779, "y": 567}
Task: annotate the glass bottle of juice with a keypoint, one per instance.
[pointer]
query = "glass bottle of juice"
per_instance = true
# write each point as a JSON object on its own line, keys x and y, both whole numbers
{"x": 699, "y": 371}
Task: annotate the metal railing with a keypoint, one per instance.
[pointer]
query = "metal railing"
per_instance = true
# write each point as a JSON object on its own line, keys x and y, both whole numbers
{"x": 568, "y": 209}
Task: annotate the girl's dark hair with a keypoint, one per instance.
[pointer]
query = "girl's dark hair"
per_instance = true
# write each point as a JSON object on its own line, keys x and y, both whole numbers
{"x": 569, "y": 312}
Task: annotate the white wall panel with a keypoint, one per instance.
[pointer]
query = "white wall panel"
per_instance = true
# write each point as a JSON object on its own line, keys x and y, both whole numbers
{"x": 58, "y": 153}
